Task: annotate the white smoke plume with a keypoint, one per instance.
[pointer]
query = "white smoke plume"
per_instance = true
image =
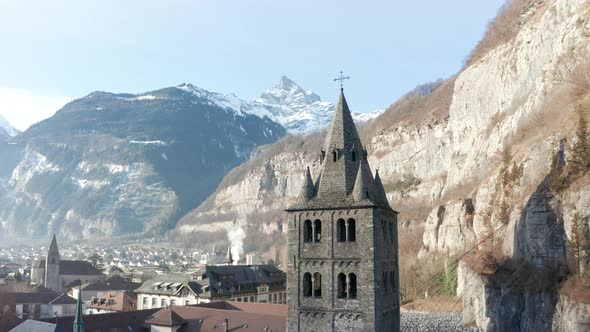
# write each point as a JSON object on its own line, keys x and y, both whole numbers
{"x": 236, "y": 235}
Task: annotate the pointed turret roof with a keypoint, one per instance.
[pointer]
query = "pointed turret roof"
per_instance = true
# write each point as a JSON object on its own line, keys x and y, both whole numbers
{"x": 364, "y": 185}
{"x": 308, "y": 189}
{"x": 78, "y": 321}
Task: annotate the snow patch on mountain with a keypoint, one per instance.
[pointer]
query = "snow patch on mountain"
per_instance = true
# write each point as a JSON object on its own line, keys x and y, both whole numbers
{"x": 229, "y": 102}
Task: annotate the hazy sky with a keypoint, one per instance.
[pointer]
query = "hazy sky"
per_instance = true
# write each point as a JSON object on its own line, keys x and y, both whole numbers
{"x": 54, "y": 51}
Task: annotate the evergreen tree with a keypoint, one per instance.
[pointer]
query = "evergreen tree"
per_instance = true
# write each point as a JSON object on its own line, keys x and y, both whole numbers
{"x": 97, "y": 261}
{"x": 580, "y": 159}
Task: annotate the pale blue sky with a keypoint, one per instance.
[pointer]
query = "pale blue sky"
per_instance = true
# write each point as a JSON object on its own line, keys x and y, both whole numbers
{"x": 56, "y": 50}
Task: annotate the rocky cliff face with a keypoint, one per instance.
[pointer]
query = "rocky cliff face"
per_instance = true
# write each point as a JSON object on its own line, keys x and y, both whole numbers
{"x": 474, "y": 150}
{"x": 118, "y": 164}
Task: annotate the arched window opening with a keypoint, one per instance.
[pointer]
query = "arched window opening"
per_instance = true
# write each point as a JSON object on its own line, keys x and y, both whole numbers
{"x": 317, "y": 284}
{"x": 341, "y": 230}
{"x": 352, "y": 286}
{"x": 351, "y": 228}
{"x": 317, "y": 230}
{"x": 322, "y": 156}
{"x": 342, "y": 286}
{"x": 334, "y": 156}
{"x": 307, "y": 284}
{"x": 307, "y": 231}
{"x": 353, "y": 156}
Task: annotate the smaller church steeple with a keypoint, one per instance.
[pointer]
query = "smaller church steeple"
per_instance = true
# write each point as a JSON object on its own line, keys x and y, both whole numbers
{"x": 52, "y": 267}
{"x": 53, "y": 249}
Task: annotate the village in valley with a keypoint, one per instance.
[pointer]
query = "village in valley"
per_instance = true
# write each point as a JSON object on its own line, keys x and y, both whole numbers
{"x": 154, "y": 179}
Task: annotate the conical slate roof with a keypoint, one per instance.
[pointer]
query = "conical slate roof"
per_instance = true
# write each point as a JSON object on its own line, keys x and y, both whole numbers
{"x": 345, "y": 178}
{"x": 308, "y": 189}
{"x": 364, "y": 185}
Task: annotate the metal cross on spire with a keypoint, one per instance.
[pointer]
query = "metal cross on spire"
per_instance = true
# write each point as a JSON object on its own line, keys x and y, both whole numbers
{"x": 341, "y": 78}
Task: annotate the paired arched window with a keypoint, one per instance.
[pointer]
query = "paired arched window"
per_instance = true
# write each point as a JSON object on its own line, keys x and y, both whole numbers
{"x": 346, "y": 231}
{"x": 312, "y": 232}
{"x": 317, "y": 230}
{"x": 307, "y": 284}
{"x": 312, "y": 285}
{"x": 347, "y": 286}
{"x": 307, "y": 231}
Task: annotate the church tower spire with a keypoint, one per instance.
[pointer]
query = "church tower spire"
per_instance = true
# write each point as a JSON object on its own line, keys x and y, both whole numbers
{"x": 228, "y": 258}
{"x": 52, "y": 263}
{"x": 342, "y": 272}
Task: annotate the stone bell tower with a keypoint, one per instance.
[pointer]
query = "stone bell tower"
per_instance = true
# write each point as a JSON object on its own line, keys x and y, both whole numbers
{"x": 52, "y": 261}
{"x": 343, "y": 248}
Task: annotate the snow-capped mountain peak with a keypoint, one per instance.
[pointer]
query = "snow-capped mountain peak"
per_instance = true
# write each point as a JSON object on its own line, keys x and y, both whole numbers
{"x": 6, "y": 130}
{"x": 300, "y": 111}
{"x": 288, "y": 93}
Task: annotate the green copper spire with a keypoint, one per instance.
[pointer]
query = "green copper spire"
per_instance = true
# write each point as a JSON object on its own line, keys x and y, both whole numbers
{"x": 78, "y": 322}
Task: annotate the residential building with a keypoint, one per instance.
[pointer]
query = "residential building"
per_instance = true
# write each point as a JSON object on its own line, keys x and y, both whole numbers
{"x": 46, "y": 304}
{"x": 112, "y": 302}
{"x": 241, "y": 283}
